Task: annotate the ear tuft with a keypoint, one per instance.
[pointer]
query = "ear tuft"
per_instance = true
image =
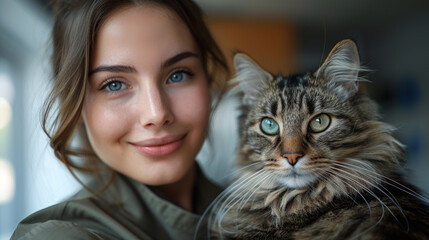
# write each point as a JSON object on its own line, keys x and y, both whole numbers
{"x": 341, "y": 69}
{"x": 250, "y": 79}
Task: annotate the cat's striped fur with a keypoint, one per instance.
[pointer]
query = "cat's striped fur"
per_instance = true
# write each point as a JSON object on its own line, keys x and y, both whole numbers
{"x": 313, "y": 176}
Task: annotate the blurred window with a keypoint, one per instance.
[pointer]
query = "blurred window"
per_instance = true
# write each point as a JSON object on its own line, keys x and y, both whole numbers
{"x": 7, "y": 173}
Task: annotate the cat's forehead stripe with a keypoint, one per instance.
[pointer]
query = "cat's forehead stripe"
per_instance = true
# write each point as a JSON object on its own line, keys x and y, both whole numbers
{"x": 282, "y": 101}
{"x": 274, "y": 108}
{"x": 291, "y": 81}
{"x": 310, "y": 107}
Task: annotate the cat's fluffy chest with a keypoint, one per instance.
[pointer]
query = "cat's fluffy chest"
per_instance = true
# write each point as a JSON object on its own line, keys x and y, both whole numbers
{"x": 359, "y": 217}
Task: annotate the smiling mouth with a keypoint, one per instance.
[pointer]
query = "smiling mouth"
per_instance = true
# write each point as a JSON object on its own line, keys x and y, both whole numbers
{"x": 160, "y": 147}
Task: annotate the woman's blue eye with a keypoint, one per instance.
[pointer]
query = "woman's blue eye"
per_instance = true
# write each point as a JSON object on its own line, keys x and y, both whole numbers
{"x": 115, "y": 86}
{"x": 177, "y": 77}
{"x": 269, "y": 126}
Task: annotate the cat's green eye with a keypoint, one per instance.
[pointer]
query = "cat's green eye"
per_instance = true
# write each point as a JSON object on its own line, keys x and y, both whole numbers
{"x": 269, "y": 126}
{"x": 320, "y": 123}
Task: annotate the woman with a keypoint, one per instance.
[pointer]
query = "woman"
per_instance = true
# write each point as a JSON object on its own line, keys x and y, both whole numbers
{"x": 132, "y": 80}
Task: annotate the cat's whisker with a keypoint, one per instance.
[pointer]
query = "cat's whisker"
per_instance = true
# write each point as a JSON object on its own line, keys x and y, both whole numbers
{"x": 377, "y": 178}
{"x": 374, "y": 195}
{"x": 369, "y": 207}
{"x": 233, "y": 196}
{"x": 238, "y": 187}
{"x": 237, "y": 171}
{"x": 336, "y": 182}
{"x": 242, "y": 188}
{"x": 392, "y": 182}
{"x": 325, "y": 178}
{"x": 255, "y": 184}
{"x": 383, "y": 206}
{"x": 357, "y": 168}
{"x": 335, "y": 174}
{"x": 241, "y": 196}
{"x": 355, "y": 178}
{"x": 255, "y": 189}
{"x": 381, "y": 178}
{"x": 357, "y": 163}
{"x": 226, "y": 193}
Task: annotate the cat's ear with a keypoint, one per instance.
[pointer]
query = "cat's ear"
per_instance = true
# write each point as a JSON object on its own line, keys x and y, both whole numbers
{"x": 250, "y": 78}
{"x": 341, "y": 69}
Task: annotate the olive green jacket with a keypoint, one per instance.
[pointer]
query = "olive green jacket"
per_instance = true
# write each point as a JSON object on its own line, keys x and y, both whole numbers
{"x": 134, "y": 212}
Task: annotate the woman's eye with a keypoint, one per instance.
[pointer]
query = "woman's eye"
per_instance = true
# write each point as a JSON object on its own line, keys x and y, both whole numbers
{"x": 269, "y": 126}
{"x": 320, "y": 123}
{"x": 115, "y": 86}
{"x": 178, "y": 76}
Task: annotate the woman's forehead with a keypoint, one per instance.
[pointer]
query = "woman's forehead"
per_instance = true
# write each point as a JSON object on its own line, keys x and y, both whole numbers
{"x": 148, "y": 31}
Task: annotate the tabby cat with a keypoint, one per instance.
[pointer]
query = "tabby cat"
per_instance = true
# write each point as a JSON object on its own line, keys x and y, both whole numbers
{"x": 317, "y": 163}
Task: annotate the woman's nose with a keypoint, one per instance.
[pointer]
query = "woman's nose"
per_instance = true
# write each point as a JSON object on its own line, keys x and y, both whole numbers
{"x": 155, "y": 109}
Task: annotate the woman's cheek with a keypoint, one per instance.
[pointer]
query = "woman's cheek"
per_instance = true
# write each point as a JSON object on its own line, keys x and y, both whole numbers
{"x": 106, "y": 122}
{"x": 194, "y": 106}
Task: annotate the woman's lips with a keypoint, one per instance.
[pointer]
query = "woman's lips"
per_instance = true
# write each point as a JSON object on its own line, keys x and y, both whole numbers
{"x": 159, "y": 147}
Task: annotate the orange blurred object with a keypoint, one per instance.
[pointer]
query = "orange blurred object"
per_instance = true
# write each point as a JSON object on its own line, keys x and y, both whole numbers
{"x": 271, "y": 43}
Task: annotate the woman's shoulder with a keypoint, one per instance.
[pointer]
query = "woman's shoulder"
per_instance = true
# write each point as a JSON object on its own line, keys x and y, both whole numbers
{"x": 82, "y": 216}
{"x": 126, "y": 210}
{"x": 60, "y": 221}
{"x": 53, "y": 229}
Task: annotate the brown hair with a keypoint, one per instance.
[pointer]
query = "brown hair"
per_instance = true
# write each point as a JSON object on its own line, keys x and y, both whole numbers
{"x": 76, "y": 23}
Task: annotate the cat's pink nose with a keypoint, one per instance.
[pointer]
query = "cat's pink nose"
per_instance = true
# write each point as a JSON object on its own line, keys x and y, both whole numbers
{"x": 292, "y": 158}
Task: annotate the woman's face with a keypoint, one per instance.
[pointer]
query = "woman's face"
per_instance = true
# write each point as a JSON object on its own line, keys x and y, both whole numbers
{"x": 146, "y": 110}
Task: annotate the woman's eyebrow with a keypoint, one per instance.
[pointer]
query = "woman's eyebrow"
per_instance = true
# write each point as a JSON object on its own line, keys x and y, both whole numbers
{"x": 131, "y": 69}
{"x": 114, "y": 68}
{"x": 178, "y": 58}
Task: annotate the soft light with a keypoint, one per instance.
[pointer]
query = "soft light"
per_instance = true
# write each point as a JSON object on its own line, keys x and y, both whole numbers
{"x": 5, "y": 112}
{"x": 7, "y": 90}
{"x": 7, "y": 181}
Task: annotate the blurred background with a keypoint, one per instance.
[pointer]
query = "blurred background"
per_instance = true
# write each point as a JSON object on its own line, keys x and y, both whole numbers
{"x": 282, "y": 35}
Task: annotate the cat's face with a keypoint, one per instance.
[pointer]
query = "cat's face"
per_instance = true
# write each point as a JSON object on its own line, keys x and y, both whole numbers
{"x": 305, "y": 129}
{"x": 294, "y": 124}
